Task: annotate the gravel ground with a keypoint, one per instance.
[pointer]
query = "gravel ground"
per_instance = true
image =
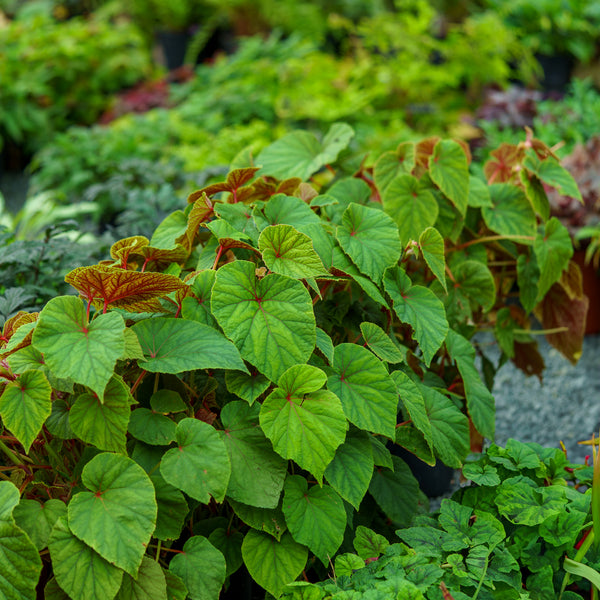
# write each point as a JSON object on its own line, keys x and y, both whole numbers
{"x": 564, "y": 407}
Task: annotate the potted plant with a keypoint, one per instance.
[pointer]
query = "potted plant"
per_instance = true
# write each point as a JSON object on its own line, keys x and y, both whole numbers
{"x": 222, "y": 394}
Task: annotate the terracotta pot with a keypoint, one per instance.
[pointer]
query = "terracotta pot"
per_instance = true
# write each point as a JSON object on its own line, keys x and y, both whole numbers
{"x": 591, "y": 288}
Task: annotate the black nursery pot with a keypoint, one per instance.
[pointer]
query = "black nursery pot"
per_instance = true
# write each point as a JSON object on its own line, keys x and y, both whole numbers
{"x": 557, "y": 71}
{"x": 434, "y": 481}
{"x": 174, "y": 46}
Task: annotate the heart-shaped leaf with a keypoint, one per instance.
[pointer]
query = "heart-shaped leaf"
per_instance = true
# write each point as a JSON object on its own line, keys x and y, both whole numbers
{"x": 553, "y": 249}
{"x": 449, "y": 170}
{"x": 201, "y": 567}
{"x": 285, "y": 210}
{"x": 269, "y": 520}
{"x": 380, "y": 343}
{"x": 316, "y": 517}
{"x": 151, "y": 428}
{"x": 474, "y": 280}
{"x": 77, "y": 349}
{"x": 103, "y": 424}
{"x": 511, "y": 213}
{"x": 257, "y": 472}
{"x": 37, "y": 520}
{"x": 300, "y": 154}
{"x": 367, "y": 392}
{"x": 432, "y": 247}
{"x": 304, "y": 423}
{"x": 289, "y": 252}
{"x": 199, "y": 466}
{"x": 25, "y": 405}
{"x": 21, "y": 564}
{"x": 247, "y": 387}
{"x": 412, "y": 206}
{"x": 271, "y": 563}
{"x": 370, "y": 238}
{"x": 176, "y": 345}
{"x": 270, "y": 320}
{"x": 393, "y": 163}
{"x": 79, "y": 570}
{"x": 118, "y": 515}
{"x": 420, "y": 308}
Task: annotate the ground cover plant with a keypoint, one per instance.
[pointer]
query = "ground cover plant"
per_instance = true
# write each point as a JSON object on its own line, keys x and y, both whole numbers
{"x": 514, "y": 531}
{"x": 228, "y": 392}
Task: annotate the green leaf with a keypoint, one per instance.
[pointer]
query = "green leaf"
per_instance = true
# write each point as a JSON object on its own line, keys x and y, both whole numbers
{"x": 413, "y": 401}
{"x": 299, "y": 154}
{"x": 24, "y": 406}
{"x": 521, "y": 503}
{"x": 380, "y": 343}
{"x": 390, "y": 164}
{"x": 528, "y": 274}
{"x": 269, "y": 520}
{"x": 449, "y": 428}
{"x": 420, "y": 308}
{"x": 79, "y": 570}
{"x": 370, "y": 238}
{"x": 199, "y": 466}
{"x": 324, "y": 344}
{"x": 369, "y": 544}
{"x": 37, "y": 520}
{"x": 432, "y": 247}
{"x": 316, "y": 517}
{"x": 576, "y": 568}
{"x": 479, "y": 193}
{"x": 480, "y": 402}
{"x": 486, "y": 475}
{"x": 103, "y": 424}
{"x": 286, "y": 210}
{"x": 176, "y": 589}
{"x": 270, "y": 320}
{"x": 21, "y": 564}
{"x": 170, "y": 228}
{"x": 151, "y": 428}
{"x": 554, "y": 175}
{"x": 257, "y": 472}
{"x": 396, "y": 492}
{"x": 167, "y": 401}
{"x": 201, "y": 567}
{"x": 150, "y": 583}
{"x": 345, "y": 191}
{"x": 176, "y": 345}
{"x": 425, "y": 540}
{"x": 346, "y": 564}
{"x": 449, "y": 170}
{"x": 511, "y": 213}
{"x": 350, "y": 471}
{"x": 76, "y": 349}
{"x": 381, "y": 455}
{"x": 362, "y": 383}
{"x": 58, "y": 421}
{"x": 197, "y": 308}
{"x": 303, "y": 426}
{"x": 52, "y": 591}
{"x": 553, "y": 249}
{"x": 229, "y": 543}
{"x": 118, "y": 515}
{"x": 172, "y": 509}
{"x": 288, "y": 252}
{"x": 473, "y": 279}
{"x": 412, "y": 206}
{"x": 247, "y": 387}
{"x": 271, "y": 563}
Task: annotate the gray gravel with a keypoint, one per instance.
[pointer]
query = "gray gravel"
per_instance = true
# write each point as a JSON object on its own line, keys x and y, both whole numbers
{"x": 564, "y": 407}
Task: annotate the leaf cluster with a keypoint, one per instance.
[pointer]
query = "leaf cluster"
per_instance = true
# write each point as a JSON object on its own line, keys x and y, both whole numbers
{"x": 504, "y": 535}
{"x": 55, "y": 74}
{"x": 227, "y": 392}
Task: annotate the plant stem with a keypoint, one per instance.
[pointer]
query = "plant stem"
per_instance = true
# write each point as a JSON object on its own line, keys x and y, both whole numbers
{"x": 137, "y": 382}
{"x": 11, "y": 455}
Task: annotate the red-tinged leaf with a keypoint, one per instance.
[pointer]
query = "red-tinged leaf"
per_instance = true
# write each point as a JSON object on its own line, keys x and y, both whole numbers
{"x": 117, "y": 288}
{"x": 500, "y": 169}
{"x": 424, "y": 149}
{"x": 122, "y": 249}
{"x": 528, "y": 359}
{"x": 235, "y": 180}
{"x": 565, "y": 306}
{"x": 9, "y": 330}
{"x": 266, "y": 186}
{"x": 201, "y": 212}
{"x": 306, "y": 192}
{"x": 158, "y": 259}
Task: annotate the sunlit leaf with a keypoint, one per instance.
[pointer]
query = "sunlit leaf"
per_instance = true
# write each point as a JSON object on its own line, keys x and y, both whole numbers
{"x": 270, "y": 320}
{"x": 449, "y": 169}
{"x": 75, "y": 348}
